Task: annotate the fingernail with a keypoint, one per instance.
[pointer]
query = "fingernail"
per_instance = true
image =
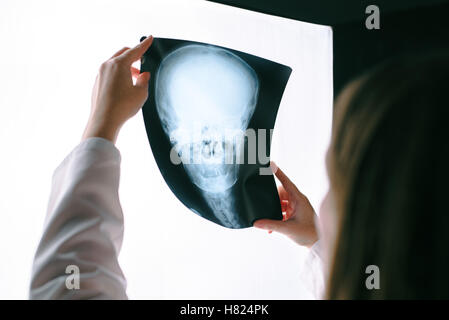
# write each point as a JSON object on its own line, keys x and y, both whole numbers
{"x": 274, "y": 167}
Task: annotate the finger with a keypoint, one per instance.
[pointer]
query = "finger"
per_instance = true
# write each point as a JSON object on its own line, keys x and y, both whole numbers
{"x": 274, "y": 225}
{"x": 135, "y": 72}
{"x": 284, "y": 205}
{"x": 122, "y": 50}
{"x": 283, "y": 194}
{"x": 289, "y": 212}
{"x": 135, "y": 53}
{"x": 142, "y": 80}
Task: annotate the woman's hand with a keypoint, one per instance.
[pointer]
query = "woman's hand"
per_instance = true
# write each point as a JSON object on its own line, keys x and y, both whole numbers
{"x": 299, "y": 217}
{"x": 115, "y": 98}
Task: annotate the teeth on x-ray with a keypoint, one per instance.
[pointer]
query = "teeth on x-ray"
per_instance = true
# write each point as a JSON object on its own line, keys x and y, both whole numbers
{"x": 202, "y": 94}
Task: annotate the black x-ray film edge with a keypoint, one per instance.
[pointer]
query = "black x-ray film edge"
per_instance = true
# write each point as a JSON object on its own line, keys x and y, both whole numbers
{"x": 256, "y": 195}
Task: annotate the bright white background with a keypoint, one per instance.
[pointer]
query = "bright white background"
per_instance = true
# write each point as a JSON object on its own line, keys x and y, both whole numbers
{"x": 50, "y": 53}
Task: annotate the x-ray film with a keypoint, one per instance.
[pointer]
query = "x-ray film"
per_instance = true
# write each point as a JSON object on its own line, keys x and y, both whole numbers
{"x": 209, "y": 119}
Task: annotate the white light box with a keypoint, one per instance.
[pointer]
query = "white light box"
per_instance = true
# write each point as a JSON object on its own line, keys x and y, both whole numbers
{"x": 51, "y": 53}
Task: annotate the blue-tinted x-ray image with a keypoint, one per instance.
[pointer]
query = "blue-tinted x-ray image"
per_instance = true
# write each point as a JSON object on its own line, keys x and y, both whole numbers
{"x": 206, "y": 108}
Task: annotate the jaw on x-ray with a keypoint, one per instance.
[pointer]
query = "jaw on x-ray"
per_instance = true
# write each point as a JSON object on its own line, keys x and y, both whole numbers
{"x": 202, "y": 101}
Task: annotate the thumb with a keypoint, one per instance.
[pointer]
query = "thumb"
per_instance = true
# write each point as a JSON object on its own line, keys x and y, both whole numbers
{"x": 275, "y": 225}
{"x": 288, "y": 185}
{"x": 142, "y": 80}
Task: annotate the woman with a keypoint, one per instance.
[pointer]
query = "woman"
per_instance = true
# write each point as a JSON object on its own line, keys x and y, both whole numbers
{"x": 387, "y": 165}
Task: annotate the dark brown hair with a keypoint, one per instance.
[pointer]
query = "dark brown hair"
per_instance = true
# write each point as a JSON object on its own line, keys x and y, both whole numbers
{"x": 388, "y": 168}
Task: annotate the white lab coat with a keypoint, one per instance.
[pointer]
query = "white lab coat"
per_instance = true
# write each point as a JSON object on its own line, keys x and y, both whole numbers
{"x": 84, "y": 228}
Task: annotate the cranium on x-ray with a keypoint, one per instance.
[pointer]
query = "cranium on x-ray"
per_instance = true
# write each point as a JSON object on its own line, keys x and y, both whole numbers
{"x": 205, "y": 97}
{"x": 206, "y": 108}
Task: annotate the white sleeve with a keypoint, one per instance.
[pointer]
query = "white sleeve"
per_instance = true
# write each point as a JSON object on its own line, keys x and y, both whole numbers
{"x": 83, "y": 228}
{"x": 312, "y": 273}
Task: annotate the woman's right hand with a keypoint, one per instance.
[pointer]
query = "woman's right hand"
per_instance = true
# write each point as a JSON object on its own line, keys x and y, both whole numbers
{"x": 299, "y": 217}
{"x": 115, "y": 98}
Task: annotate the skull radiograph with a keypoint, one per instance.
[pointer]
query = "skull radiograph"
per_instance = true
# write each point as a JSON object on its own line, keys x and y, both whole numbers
{"x": 205, "y": 97}
{"x": 203, "y": 94}
{"x": 202, "y": 100}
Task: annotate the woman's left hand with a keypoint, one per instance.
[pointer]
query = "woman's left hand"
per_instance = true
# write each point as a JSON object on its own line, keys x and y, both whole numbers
{"x": 299, "y": 216}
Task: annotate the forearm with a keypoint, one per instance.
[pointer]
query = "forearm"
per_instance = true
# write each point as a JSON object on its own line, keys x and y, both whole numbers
{"x": 101, "y": 127}
{"x": 83, "y": 228}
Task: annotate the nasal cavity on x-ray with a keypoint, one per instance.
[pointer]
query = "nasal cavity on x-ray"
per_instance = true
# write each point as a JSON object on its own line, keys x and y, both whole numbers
{"x": 205, "y": 97}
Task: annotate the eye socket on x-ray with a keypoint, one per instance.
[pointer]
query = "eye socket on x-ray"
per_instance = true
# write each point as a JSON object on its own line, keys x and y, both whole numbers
{"x": 205, "y": 97}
